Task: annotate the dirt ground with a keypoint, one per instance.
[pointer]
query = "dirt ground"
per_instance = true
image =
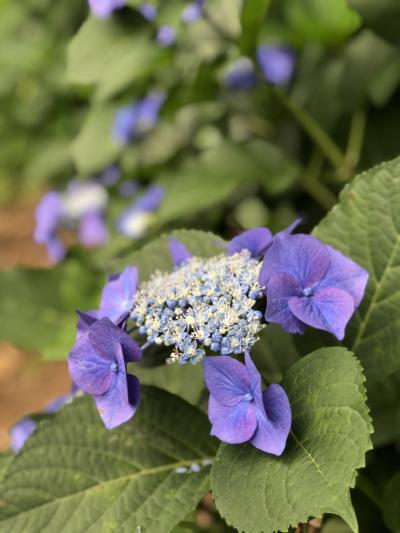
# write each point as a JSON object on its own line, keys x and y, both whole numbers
{"x": 26, "y": 383}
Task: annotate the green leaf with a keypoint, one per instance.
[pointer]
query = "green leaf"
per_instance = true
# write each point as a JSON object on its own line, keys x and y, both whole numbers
{"x": 74, "y": 475}
{"x": 391, "y": 508}
{"x": 5, "y": 459}
{"x": 252, "y": 16}
{"x": 381, "y": 15}
{"x": 257, "y": 492}
{"x": 111, "y": 55}
{"x": 365, "y": 226}
{"x": 94, "y": 148}
{"x": 326, "y": 21}
{"x": 155, "y": 255}
{"x": 186, "y": 381}
{"x": 37, "y": 306}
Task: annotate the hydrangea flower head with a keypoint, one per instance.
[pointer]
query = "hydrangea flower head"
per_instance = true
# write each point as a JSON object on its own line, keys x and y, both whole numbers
{"x": 105, "y": 8}
{"x": 240, "y": 75}
{"x": 240, "y": 411}
{"x": 193, "y": 11}
{"x": 97, "y": 365}
{"x": 166, "y": 36}
{"x": 310, "y": 283}
{"x": 276, "y": 62}
{"x": 119, "y": 295}
{"x": 136, "y": 220}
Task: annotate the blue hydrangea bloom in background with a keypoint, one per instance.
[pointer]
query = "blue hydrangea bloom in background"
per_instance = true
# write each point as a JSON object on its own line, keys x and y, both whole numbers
{"x": 128, "y": 188}
{"x": 148, "y": 11}
{"x": 309, "y": 283}
{"x": 240, "y": 411}
{"x": 135, "y": 120}
{"x": 135, "y": 221}
{"x": 110, "y": 176}
{"x": 97, "y": 364}
{"x": 80, "y": 207}
{"x": 105, "y": 8}
{"x": 240, "y": 75}
{"x": 166, "y": 36}
{"x": 276, "y": 63}
{"x": 193, "y": 11}
{"x": 118, "y": 295}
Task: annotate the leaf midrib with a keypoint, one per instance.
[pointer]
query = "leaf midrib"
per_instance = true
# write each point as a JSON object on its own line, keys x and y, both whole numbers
{"x": 97, "y": 486}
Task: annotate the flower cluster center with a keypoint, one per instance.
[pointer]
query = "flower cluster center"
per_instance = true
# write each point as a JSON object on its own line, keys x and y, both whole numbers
{"x": 203, "y": 305}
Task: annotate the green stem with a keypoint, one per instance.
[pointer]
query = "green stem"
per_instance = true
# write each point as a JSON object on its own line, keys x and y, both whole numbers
{"x": 313, "y": 186}
{"x": 367, "y": 488}
{"x": 324, "y": 142}
{"x": 354, "y": 144}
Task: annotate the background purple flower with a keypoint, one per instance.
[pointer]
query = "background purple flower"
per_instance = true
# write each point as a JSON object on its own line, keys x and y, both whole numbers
{"x": 92, "y": 230}
{"x": 276, "y": 62}
{"x": 148, "y": 11}
{"x": 240, "y": 75}
{"x": 166, "y": 36}
{"x": 135, "y": 221}
{"x": 110, "y": 176}
{"x": 128, "y": 188}
{"x": 105, "y": 8}
{"x": 20, "y": 432}
{"x": 48, "y": 216}
{"x": 97, "y": 364}
{"x": 118, "y": 295}
{"x": 193, "y": 11}
{"x": 310, "y": 283}
{"x": 238, "y": 409}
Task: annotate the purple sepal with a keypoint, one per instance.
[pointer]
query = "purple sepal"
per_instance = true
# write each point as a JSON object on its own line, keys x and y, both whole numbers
{"x": 110, "y": 176}
{"x": 310, "y": 283}
{"x": 105, "y": 8}
{"x": 193, "y": 12}
{"x": 238, "y": 409}
{"x": 256, "y": 240}
{"x": 20, "y": 432}
{"x": 240, "y": 75}
{"x": 48, "y": 216}
{"x": 92, "y": 230}
{"x": 97, "y": 364}
{"x": 178, "y": 252}
{"x": 85, "y": 321}
{"x": 148, "y": 11}
{"x": 118, "y": 295}
{"x": 151, "y": 199}
{"x": 277, "y": 63}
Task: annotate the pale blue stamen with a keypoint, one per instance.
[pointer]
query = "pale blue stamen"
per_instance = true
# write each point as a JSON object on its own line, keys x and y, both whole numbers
{"x": 248, "y": 397}
{"x": 307, "y": 291}
{"x": 114, "y": 367}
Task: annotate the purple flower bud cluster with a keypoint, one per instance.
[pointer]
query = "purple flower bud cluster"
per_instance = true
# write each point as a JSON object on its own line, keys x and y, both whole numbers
{"x": 212, "y": 310}
{"x": 81, "y": 207}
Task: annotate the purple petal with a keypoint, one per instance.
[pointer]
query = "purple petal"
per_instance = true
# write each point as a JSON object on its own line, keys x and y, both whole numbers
{"x": 89, "y": 369}
{"x": 118, "y": 295}
{"x": 105, "y": 8}
{"x": 110, "y": 176}
{"x": 148, "y": 111}
{"x": 128, "y": 188}
{"x": 280, "y": 288}
{"x": 178, "y": 252}
{"x": 20, "y": 432}
{"x": 115, "y": 407}
{"x": 48, "y": 214}
{"x": 273, "y": 421}
{"x": 104, "y": 335}
{"x": 125, "y": 122}
{"x": 148, "y": 11}
{"x": 232, "y": 424}
{"x": 151, "y": 199}
{"x": 85, "y": 321}
{"x": 302, "y": 256}
{"x": 193, "y": 12}
{"x": 277, "y": 63}
{"x": 56, "y": 249}
{"x": 92, "y": 230}
{"x": 255, "y": 378}
{"x": 343, "y": 273}
{"x": 227, "y": 379}
{"x": 256, "y": 240}
{"x": 327, "y": 309}
{"x": 240, "y": 75}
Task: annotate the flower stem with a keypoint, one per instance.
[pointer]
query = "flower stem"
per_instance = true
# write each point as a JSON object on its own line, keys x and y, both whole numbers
{"x": 324, "y": 142}
{"x": 354, "y": 144}
{"x": 310, "y": 182}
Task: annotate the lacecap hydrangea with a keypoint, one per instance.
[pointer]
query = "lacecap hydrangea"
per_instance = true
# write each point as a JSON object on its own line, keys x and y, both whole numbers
{"x": 211, "y": 311}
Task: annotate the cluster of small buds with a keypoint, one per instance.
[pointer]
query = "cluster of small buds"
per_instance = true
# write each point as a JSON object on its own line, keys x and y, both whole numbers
{"x": 204, "y": 305}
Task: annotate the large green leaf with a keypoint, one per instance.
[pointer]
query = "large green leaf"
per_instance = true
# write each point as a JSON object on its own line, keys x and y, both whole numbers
{"x": 330, "y": 434}
{"x": 391, "y": 508}
{"x": 5, "y": 459}
{"x": 74, "y": 475}
{"x": 366, "y": 227}
{"x": 252, "y": 17}
{"x": 111, "y": 55}
{"x": 37, "y": 306}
